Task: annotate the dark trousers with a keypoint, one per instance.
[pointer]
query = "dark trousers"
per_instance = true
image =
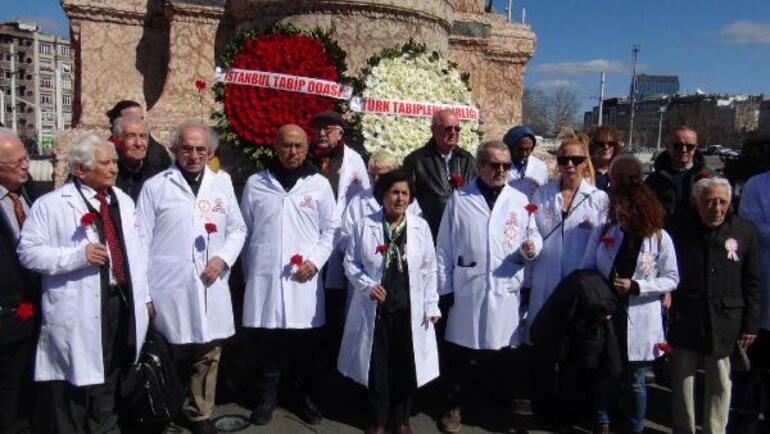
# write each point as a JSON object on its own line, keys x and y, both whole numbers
{"x": 290, "y": 353}
{"x": 751, "y": 390}
{"x": 15, "y": 383}
{"x": 334, "y": 300}
{"x": 559, "y": 393}
{"x": 64, "y": 408}
{"x": 392, "y": 378}
{"x": 479, "y": 374}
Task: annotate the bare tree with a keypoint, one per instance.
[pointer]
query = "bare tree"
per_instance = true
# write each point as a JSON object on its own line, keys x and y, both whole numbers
{"x": 535, "y": 105}
{"x": 548, "y": 111}
{"x": 564, "y": 108}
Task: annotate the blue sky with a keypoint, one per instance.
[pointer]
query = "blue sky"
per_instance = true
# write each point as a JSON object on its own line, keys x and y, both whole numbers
{"x": 720, "y": 46}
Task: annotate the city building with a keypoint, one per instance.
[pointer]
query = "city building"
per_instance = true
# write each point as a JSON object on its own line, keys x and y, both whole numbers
{"x": 36, "y": 71}
{"x": 764, "y": 117}
{"x": 652, "y": 86}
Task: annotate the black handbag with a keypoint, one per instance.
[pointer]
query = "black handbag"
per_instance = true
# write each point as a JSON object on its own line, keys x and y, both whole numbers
{"x": 150, "y": 389}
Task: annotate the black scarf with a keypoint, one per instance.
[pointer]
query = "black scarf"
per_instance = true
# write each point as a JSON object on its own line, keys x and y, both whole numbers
{"x": 288, "y": 178}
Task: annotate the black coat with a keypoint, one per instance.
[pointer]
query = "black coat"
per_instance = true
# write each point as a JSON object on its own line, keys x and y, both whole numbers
{"x": 17, "y": 284}
{"x": 131, "y": 180}
{"x": 717, "y": 299}
{"x": 432, "y": 183}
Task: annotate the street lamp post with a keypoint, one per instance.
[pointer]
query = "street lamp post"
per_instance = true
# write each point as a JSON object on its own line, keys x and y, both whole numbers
{"x": 661, "y": 110}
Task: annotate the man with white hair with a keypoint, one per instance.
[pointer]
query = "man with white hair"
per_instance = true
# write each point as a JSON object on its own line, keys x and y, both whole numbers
{"x": 194, "y": 231}
{"x": 716, "y": 305}
{"x": 131, "y": 136}
{"x": 82, "y": 238}
{"x": 19, "y": 287}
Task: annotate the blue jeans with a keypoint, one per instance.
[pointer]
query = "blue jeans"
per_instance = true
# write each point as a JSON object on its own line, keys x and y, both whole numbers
{"x": 631, "y": 390}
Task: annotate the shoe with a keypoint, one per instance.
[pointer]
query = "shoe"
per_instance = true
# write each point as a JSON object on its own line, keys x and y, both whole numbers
{"x": 377, "y": 429}
{"x": 521, "y": 407}
{"x": 451, "y": 421}
{"x": 203, "y": 427}
{"x": 602, "y": 428}
{"x": 308, "y": 411}
{"x": 262, "y": 414}
{"x": 403, "y": 429}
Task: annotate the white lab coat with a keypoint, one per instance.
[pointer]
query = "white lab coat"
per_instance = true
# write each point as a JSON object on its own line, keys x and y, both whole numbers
{"x": 656, "y": 273}
{"x": 353, "y": 180}
{"x": 364, "y": 268}
{"x": 480, "y": 261}
{"x": 755, "y": 207}
{"x": 564, "y": 248}
{"x": 173, "y": 220}
{"x": 280, "y": 225}
{"x": 535, "y": 176}
{"x": 53, "y": 244}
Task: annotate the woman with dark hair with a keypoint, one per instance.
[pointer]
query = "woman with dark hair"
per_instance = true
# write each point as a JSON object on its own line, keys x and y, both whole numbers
{"x": 157, "y": 155}
{"x": 637, "y": 257}
{"x": 389, "y": 343}
{"x": 605, "y": 146}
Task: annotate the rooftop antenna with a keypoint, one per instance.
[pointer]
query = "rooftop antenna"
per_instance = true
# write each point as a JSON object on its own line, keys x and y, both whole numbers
{"x": 635, "y": 57}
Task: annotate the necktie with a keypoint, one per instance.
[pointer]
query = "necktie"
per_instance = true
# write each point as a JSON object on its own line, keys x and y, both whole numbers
{"x": 111, "y": 236}
{"x": 18, "y": 209}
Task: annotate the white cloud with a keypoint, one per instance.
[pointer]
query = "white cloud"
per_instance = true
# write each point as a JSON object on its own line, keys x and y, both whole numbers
{"x": 584, "y": 67}
{"x": 549, "y": 85}
{"x": 747, "y": 32}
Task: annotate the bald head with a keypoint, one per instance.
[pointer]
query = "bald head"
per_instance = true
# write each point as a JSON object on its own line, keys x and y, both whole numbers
{"x": 291, "y": 146}
{"x": 14, "y": 165}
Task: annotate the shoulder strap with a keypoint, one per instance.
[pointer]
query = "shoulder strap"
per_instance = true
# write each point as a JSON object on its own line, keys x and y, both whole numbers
{"x": 569, "y": 214}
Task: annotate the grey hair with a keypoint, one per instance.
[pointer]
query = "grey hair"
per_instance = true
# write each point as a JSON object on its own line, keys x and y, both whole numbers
{"x": 699, "y": 187}
{"x": 118, "y": 125}
{"x": 627, "y": 157}
{"x": 176, "y": 137}
{"x": 481, "y": 152}
{"x": 81, "y": 151}
{"x": 382, "y": 158}
{"x": 436, "y": 118}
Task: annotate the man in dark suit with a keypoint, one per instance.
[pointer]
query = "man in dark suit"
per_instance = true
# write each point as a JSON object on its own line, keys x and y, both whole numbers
{"x": 19, "y": 288}
{"x": 131, "y": 136}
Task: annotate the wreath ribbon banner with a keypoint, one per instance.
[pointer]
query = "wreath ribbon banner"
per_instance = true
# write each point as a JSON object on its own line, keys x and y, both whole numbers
{"x": 315, "y": 86}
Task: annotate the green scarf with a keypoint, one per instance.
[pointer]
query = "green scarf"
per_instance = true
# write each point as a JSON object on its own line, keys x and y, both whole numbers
{"x": 392, "y": 251}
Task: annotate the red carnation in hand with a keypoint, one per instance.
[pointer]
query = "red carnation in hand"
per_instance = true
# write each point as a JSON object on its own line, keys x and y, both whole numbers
{"x": 457, "y": 180}
{"x": 88, "y": 218}
{"x": 531, "y": 208}
{"x": 608, "y": 241}
{"x": 200, "y": 85}
{"x": 382, "y": 248}
{"x": 25, "y": 311}
{"x": 296, "y": 260}
{"x": 664, "y": 347}
{"x": 210, "y": 228}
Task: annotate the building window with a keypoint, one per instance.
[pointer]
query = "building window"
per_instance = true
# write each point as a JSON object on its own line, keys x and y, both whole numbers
{"x": 64, "y": 50}
{"x": 45, "y": 81}
{"x": 8, "y": 74}
{"x": 67, "y": 99}
{"x": 46, "y": 99}
{"x": 45, "y": 48}
{"x": 65, "y": 67}
{"x": 66, "y": 84}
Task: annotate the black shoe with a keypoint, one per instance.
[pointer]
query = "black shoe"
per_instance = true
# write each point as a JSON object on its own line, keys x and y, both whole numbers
{"x": 203, "y": 427}
{"x": 262, "y": 414}
{"x": 308, "y": 412}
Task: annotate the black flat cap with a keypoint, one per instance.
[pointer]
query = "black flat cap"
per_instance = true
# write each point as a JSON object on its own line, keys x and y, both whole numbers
{"x": 330, "y": 117}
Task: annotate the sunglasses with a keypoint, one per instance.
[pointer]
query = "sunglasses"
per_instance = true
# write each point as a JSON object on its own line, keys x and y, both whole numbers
{"x": 452, "y": 129}
{"x": 679, "y": 146}
{"x": 499, "y": 166}
{"x": 598, "y": 144}
{"x": 566, "y": 159}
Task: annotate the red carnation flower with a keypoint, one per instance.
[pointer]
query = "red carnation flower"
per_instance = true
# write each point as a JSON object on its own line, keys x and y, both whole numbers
{"x": 608, "y": 241}
{"x": 210, "y": 228}
{"x": 25, "y": 311}
{"x": 88, "y": 218}
{"x": 704, "y": 175}
{"x": 457, "y": 180}
{"x": 664, "y": 347}
{"x": 200, "y": 85}
{"x": 531, "y": 208}
{"x": 296, "y": 260}
{"x": 382, "y": 248}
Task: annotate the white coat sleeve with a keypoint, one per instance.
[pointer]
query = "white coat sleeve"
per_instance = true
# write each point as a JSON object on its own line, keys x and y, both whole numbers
{"x": 329, "y": 222}
{"x": 248, "y": 221}
{"x": 588, "y": 262}
{"x": 354, "y": 267}
{"x": 235, "y": 234}
{"x": 444, "y": 249}
{"x": 145, "y": 216}
{"x": 668, "y": 272}
{"x": 35, "y": 250}
{"x": 751, "y": 209}
{"x": 430, "y": 271}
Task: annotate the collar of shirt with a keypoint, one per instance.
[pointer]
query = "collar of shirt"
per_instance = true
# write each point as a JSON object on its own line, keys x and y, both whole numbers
{"x": 3, "y": 192}
{"x": 90, "y": 194}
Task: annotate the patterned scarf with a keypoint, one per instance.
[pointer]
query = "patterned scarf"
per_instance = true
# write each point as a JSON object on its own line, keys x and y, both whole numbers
{"x": 391, "y": 237}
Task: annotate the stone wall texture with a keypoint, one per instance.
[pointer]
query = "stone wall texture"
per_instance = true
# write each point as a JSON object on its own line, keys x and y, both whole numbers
{"x": 153, "y": 51}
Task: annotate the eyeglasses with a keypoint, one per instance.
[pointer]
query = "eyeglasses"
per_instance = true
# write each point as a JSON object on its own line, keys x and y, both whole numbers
{"x": 16, "y": 163}
{"x": 679, "y": 146}
{"x": 499, "y": 166}
{"x": 328, "y": 128}
{"x": 599, "y": 144}
{"x": 189, "y": 149}
{"x": 452, "y": 129}
{"x": 566, "y": 159}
